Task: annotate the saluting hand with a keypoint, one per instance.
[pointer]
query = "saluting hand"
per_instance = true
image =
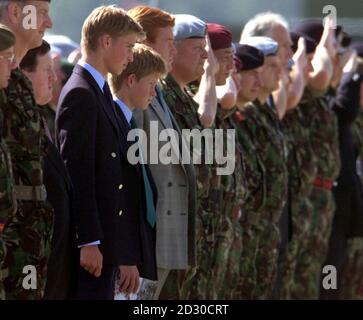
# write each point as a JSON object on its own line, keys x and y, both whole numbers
{"x": 300, "y": 54}
{"x": 328, "y": 40}
{"x": 212, "y": 61}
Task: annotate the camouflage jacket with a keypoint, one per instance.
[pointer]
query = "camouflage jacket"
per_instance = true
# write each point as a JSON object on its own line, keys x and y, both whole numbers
{"x": 23, "y": 131}
{"x": 254, "y": 168}
{"x": 322, "y": 124}
{"x": 271, "y": 145}
{"x": 302, "y": 159}
{"x": 234, "y": 185}
{"x": 7, "y": 197}
{"x": 185, "y": 112}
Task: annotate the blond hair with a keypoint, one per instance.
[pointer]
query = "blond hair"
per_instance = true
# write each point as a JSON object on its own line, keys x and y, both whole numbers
{"x": 146, "y": 61}
{"x": 109, "y": 20}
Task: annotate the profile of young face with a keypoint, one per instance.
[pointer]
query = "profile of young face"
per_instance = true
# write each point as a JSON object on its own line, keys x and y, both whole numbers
{"x": 249, "y": 83}
{"x": 164, "y": 45}
{"x": 190, "y": 58}
{"x": 42, "y": 79}
{"x": 118, "y": 52}
{"x": 226, "y": 65}
{"x": 7, "y": 64}
{"x": 142, "y": 91}
{"x": 271, "y": 74}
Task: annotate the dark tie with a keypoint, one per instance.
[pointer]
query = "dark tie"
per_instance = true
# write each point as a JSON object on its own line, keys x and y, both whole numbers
{"x": 108, "y": 95}
{"x": 150, "y": 207}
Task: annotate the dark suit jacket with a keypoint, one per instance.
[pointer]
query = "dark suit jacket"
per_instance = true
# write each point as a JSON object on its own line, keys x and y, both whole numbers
{"x": 64, "y": 259}
{"x": 93, "y": 145}
{"x": 348, "y": 192}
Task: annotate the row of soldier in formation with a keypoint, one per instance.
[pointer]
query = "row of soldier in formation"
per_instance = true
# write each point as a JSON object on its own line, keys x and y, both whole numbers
{"x": 96, "y": 226}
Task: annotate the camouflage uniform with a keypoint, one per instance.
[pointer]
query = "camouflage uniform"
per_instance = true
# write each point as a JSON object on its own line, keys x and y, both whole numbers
{"x": 352, "y": 282}
{"x": 265, "y": 126}
{"x": 228, "y": 245}
{"x": 302, "y": 172}
{"x": 252, "y": 206}
{"x": 323, "y": 130}
{"x": 193, "y": 283}
{"x": 7, "y": 198}
{"x": 274, "y": 152}
{"x": 29, "y": 234}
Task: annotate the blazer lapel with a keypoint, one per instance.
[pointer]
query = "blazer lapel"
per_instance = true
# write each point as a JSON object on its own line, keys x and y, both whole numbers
{"x": 158, "y": 109}
{"x": 108, "y": 109}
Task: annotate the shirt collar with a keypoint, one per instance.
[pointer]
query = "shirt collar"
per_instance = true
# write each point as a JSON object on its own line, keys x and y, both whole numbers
{"x": 125, "y": 109}
{"x": 94, "y": 73}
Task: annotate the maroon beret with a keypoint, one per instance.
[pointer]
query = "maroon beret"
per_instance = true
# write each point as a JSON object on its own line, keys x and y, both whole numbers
{"x": 220, "y": 36}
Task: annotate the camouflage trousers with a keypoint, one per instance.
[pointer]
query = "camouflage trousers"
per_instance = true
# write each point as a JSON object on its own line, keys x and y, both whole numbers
{"x": 223, "y": 241}
{"x": 28, "y": 238}
{"x": 247, "y": 262}
{"x": 302, "y": 212}
{"x": 266, "y": 259}
{"x": 352, "y": 281}
{"x": 313, "y": 255}
{"x": 228, "y": 288}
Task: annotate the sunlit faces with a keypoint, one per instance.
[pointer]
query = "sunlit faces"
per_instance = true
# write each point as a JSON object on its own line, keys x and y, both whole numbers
{"x": 6, "y": 65}
{"x": 142, "y": 91}
{"x": 118, "y": 52}
{"x": 226, "y": 65}
{"x": 42, "y": 79}
{"x": 271, "y": 74}
{"x": 190, "y": 58}
{"x": 164, "y": 45}
{"x": 249, "y": 83}
{"x": 282, "y": 37}
{"x": 34, "y": 36}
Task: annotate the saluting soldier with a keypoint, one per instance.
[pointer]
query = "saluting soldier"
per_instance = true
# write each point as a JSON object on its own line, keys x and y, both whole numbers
{"x": 265, "y": 125}
{"x": 249, "y": 63}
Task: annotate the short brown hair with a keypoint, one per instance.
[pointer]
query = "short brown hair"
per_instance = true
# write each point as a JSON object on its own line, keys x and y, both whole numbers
{"x": 146, "y": 61}
{"x": 30, "y": 60}
{"x": 151, "y": 19}
{"x": 107, "y": 20}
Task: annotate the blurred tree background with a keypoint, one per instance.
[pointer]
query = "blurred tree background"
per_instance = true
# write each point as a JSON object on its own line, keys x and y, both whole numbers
{"x": 68, "y": 15}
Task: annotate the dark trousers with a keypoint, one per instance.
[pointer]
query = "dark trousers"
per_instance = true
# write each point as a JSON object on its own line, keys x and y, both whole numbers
{"x": 337, "y": 257}
{"x": 101, "y": 288}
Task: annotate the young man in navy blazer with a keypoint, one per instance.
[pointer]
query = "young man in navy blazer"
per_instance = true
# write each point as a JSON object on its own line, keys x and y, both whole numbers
{"x": 111, "y": 232}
